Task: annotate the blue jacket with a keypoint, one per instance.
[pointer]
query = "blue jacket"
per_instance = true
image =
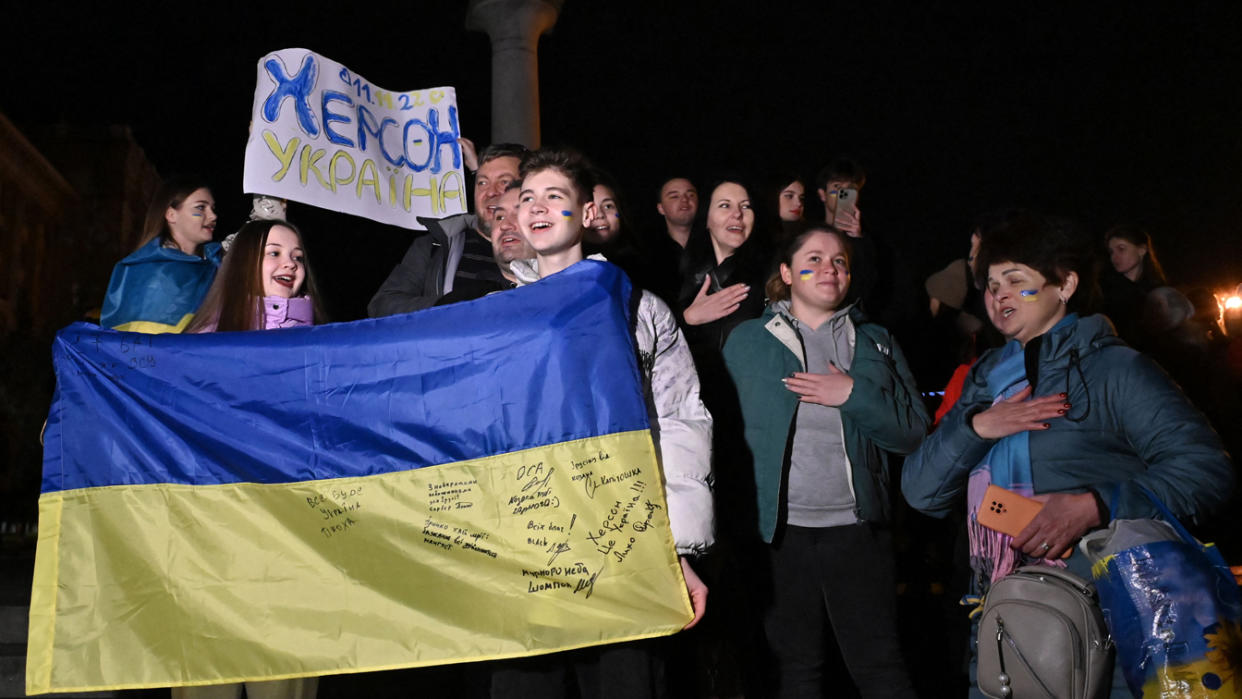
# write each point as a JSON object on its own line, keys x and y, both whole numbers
{"x": 1130, "y": 428}
{"x": 883, "y": 413}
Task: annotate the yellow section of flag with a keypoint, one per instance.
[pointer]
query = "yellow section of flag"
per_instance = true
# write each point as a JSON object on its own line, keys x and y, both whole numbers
{"x": 530, "y": 552}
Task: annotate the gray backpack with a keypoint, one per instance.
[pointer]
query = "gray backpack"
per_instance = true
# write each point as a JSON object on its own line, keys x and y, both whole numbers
{"x": 1042, "y": 635}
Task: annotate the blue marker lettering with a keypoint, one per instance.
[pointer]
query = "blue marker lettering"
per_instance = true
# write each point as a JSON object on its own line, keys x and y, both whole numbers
{"x": 298, "y": 87}
{"x": 430, "y": 140}
{"x": 330, "y": 96}
{"x": 366, "y": 125}
{"x": 448, "y": 138}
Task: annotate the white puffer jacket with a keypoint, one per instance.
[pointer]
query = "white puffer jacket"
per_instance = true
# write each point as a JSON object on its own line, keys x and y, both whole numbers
{"x": 680, "y": 423}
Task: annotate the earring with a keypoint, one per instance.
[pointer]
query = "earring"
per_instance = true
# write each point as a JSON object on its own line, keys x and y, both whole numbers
{"x": 1064, "y": 300}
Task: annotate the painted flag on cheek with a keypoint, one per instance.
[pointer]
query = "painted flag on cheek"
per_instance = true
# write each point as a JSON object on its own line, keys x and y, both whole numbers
{"x": 470, "y": 482}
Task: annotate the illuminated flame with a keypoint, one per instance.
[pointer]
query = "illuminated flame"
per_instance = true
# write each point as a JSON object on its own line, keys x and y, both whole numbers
{"x": 1233, "y": 302}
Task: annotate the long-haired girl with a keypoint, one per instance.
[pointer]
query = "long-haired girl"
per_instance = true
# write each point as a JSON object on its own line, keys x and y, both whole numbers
{"x": 1135, "y": 271}
{"x": 264, "y": 283}
{"x": 156, "y": 288}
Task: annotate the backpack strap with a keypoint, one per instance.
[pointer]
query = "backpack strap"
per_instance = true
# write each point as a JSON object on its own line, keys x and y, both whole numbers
{"x": 1083, "y": 586}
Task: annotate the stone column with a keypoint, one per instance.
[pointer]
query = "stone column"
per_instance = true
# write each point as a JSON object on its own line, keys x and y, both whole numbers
{"x": 514, "y": 27}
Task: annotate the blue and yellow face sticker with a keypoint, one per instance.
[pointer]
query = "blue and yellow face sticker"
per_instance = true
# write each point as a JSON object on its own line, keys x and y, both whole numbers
{"x": 1029, "y": 295}
{"x": 806, "y": 275}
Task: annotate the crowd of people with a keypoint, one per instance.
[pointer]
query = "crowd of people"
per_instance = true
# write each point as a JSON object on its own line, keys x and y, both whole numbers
{"x": 785, "y": 335}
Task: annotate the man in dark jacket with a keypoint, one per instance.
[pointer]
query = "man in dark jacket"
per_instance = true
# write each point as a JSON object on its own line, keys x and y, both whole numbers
{"x": 456, "y": 252}
{"x": 678, "y": 203}
{"x": 507, "y": 245}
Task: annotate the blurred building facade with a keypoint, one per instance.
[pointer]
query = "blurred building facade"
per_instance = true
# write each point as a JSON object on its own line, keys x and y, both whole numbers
{"x": 38, "y": 209}
{"x": 72, "y": 200}
{"x": 70, "y": 207}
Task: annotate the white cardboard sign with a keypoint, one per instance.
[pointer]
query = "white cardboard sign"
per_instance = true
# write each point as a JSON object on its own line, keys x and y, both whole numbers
{"x": 325, "y": 136}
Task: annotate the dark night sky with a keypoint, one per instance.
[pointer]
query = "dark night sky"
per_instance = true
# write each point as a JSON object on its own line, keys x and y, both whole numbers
{"x": 1107, "y": 116}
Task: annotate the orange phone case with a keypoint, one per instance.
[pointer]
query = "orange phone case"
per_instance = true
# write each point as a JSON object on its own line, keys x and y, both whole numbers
{"x": 1007, "y": 512}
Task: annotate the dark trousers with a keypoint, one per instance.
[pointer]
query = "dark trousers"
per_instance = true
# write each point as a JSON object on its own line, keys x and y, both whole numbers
{"x": 633, "y": 670}
{"x": 839, "y": 579}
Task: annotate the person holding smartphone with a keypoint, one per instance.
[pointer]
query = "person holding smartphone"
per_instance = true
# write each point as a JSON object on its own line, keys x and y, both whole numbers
{"x": 882, "y": 283}
{"x": 838, "y": 185}
{"x": 1065, "y": 413}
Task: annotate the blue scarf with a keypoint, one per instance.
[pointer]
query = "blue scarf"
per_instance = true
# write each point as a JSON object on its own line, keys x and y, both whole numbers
{"x": 1009, "y": 460}
{"x": 1007, "y": 464}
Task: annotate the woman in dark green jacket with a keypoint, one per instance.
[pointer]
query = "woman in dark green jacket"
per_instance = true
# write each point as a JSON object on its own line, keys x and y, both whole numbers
{"x": 824, "y": 396}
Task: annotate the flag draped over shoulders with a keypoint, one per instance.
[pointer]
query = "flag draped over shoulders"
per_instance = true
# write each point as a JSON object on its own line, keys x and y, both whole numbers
{"x": 157, "y": 289}
{"x": 469, "y": 482}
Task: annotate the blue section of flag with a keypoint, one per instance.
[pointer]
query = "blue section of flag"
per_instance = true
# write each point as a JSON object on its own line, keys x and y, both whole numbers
{"x": 350, "y": 399}
{"x": 156, "y": 284}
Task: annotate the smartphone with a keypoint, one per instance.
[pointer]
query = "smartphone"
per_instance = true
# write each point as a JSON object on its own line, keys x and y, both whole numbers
{"x": 1007, "y": 512}
{"x": 847, "y": 200}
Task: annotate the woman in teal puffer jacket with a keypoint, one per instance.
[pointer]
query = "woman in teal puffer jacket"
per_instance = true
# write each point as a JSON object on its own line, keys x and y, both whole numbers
{"x": 824, "y": 396}
{"x": 1065, "y": 412}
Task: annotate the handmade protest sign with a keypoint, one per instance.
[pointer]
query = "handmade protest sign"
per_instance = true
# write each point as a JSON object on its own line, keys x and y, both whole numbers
{"x": 470, "y": 482}
{"x": 322, "y": 135}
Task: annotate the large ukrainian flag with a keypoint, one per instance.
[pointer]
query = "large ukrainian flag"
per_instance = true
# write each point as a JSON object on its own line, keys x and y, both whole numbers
{"x": 464, "y": 483}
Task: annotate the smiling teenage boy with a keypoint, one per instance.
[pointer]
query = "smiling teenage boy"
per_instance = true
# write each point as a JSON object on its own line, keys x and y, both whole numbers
{"x": 554, "y": 207}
